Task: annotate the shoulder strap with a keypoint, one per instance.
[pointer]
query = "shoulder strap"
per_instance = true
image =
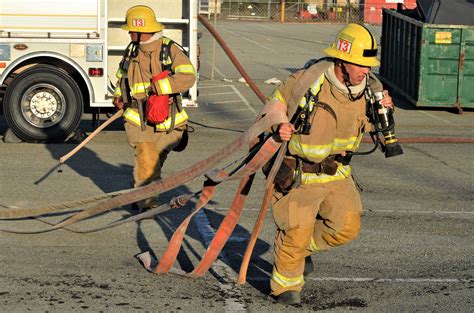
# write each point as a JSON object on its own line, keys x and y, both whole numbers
{"x": 304, "y": 83}
{"x": 304, "y": 89}
{"x": 328, "y": 108}
{"x": 165, "y": 54}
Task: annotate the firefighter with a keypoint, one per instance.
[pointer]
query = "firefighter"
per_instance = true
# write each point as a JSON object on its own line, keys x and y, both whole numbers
{"x": 153, "y": 67}
{"x": 319, "y": 207}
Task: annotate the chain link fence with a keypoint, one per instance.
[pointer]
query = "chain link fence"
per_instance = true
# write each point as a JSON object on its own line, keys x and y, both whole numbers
{"x": 280, "y": 37}
{"x": 367, "y": 12}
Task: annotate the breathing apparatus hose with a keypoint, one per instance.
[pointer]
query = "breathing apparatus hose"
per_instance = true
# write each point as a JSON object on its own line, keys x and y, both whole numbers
{"x": 384, "y": 123}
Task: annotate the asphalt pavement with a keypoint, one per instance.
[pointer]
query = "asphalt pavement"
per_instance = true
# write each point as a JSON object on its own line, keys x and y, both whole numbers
{"x": 414, "y": 253}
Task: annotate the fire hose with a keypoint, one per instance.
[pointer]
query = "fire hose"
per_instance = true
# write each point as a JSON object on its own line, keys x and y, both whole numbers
{"x": 107, "y": 202}
{"x": 272, "y": 114}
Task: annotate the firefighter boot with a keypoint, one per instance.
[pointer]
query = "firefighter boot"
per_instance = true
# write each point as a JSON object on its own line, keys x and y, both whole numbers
{"x": 289, "y": 297}
{"x": 308, "y": 265}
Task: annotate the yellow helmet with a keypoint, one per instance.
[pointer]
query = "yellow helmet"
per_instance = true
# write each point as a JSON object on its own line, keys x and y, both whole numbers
{"x": 142, "y": 19}
{"x": 355, "y": 44}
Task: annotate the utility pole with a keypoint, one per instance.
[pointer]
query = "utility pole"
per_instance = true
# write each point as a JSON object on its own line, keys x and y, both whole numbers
{"x": 348, "y": 11}
{"x": 269, "y": 9}
{"x": 213, "y": 64}
{"x": 282, "y": 15}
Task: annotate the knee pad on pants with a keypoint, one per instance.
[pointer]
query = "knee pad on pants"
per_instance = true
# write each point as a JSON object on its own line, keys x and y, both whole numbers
{"x": 348, "y": 232}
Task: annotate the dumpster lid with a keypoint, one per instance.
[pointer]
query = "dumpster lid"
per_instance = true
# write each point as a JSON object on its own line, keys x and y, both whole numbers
{"x": 452, "y": 12}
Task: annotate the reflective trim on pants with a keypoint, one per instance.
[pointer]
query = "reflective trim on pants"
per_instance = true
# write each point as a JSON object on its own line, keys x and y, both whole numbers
{"x": 287, "y": 281}
{"x": 313, "y": 246}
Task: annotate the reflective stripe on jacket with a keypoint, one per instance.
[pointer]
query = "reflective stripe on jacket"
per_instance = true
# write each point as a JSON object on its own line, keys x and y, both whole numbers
{"x": 132, "y": 116}
{"x": 343, "y": 172}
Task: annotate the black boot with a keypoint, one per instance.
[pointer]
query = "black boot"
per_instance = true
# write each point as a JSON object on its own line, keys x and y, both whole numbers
{"x": 289, "y": 297}
{"x": 308, "y": 266}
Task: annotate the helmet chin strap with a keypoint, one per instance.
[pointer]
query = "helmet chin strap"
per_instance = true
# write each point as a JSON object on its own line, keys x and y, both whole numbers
{"x": 136, "y": 44}
{"x": 347, "y": 82}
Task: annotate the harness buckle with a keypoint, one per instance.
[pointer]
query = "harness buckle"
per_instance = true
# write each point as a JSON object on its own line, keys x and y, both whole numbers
{"x": 320, "y": 170}
{"x": 297, "y": 174}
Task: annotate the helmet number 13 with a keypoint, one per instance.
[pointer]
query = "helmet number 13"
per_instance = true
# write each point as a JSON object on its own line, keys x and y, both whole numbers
{"x": 138, "y": 22}
{"x": 344, "y": 46}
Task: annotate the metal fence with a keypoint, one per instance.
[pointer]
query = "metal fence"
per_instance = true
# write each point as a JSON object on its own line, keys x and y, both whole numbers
{"x": 291, "y": 12}
{"x": 368, "y": 12}
{"x": 296, "y": 24}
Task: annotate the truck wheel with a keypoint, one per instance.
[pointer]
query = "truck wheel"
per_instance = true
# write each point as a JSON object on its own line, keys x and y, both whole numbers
{"x": 43, "y": 103}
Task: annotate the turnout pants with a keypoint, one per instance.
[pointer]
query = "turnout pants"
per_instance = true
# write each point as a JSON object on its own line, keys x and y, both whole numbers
{"x": 311, "y": 218}
{"x": 151, "y": 150}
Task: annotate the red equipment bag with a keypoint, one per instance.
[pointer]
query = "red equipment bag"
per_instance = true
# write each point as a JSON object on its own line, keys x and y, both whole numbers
{"x": 157, "y": 107}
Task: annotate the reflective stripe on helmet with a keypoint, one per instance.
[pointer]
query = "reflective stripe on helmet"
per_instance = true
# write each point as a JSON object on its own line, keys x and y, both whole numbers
{"x": 370, "y": 53}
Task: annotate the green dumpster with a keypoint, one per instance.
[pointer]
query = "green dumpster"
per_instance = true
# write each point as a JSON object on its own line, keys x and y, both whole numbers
{"x": 432, "y": 65}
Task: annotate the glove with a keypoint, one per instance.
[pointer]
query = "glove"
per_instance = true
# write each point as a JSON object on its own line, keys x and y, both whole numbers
{"x": 118, "y": 103}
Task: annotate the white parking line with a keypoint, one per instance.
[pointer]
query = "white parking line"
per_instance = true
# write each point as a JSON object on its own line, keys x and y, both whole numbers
{"x": 216, "y": 69}
{"x": 436, "y": 117}
{"x": 243, "y": 99}
{"x": 217, "y": 94}
{"x": 421, "y": 212}
{"x": 238, "y": 93}
{"x": 382, "y": 280}
{"x": 272, "y": 28}
{"x": 212, "y": 86}
{"x": 227, "y": 101}
{"x": 233, "y": 121}
{"x": 371, "y": 211}
{"x": 232, "y": 302}
{"x": 220, "y": 112}
{"x": 250, "y": 40}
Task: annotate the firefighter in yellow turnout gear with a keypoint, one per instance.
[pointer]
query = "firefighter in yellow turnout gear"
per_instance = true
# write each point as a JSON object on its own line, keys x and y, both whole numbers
{"x": 321, "y": 209}
{"x": 144, "y": 60}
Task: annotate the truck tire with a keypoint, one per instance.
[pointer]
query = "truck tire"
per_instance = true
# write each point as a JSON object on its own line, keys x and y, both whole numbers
{"x": 42, "y": 104}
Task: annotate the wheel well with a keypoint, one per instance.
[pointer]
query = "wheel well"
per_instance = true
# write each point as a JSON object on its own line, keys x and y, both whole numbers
{"x": 60, "y": 64}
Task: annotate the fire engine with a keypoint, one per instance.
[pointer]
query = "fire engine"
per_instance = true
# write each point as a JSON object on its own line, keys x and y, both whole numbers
{"x": 58, "y": 58}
